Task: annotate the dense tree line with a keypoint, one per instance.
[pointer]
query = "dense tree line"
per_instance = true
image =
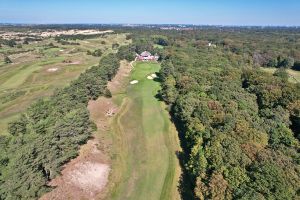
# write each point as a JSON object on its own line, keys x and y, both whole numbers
{"x": 142, "y": 43}
{"x": 239, "y": 126}
{"x": 49, "y": 134}
{"x": 65, "y": 42}
{"x": 80, "y": 36}
{"x": 10, "y": 43}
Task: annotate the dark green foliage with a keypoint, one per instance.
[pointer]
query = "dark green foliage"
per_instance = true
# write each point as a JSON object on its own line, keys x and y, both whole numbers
{"x": 10, "y": 43}
{"x": 80, "y": 36}
{"x": 128, "y": 37}
{"x": 50, "y": 46}
{"x": 161, "y": 40}
{"x": 26, "y": 41}
{"x": 286, "y": 62}
{"x": 64, "y": 42}
{"x": 272, "y": 176}
{"x": 294, "y": 109}
{"x": 296, "y": 66}
{"x": 49, "y": 134}
{"x": 31, "y": 39}
{"x": 126, "y": 52}
{"x": 115, "y": 46}
{"x": 18, "y": 127}
{"x": 7, "y": 60}
{"x": 96, "y": 53}
{"x": 270, "y": 91}
{"x": 107, "y": 93}
{"x": 282, "y": 73}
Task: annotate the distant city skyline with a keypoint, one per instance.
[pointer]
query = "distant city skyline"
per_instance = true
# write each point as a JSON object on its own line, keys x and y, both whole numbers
{"x": 201, "y": 12}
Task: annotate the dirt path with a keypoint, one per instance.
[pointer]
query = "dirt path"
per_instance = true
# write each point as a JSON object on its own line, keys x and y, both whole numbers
{"x": 86, "y": 176}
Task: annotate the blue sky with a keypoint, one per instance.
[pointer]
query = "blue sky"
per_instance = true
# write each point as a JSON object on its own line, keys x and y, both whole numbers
{"x": 203, "y": 12}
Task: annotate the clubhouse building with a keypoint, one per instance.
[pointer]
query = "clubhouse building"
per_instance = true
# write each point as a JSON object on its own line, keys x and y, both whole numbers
{"x": 146, "y": 56}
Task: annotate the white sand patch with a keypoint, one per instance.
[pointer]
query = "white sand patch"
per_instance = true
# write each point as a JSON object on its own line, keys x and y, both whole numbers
{"x": 52, "y": 69}
{"x": 90, "y": 176}
{"x": 149, "y": 77}
{"x": 153, "y": 75}
{"x": 75, "y": 63}
{"x": 134, "y": 82}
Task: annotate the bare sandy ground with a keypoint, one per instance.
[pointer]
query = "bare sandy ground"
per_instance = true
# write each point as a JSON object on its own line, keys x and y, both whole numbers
{"x": 52, "y": 33}
{"x": 86, "y": 176}
{"x": 83, "y": 177}
{"x": 117, "y": 83}
{"x": 52, "y": 69}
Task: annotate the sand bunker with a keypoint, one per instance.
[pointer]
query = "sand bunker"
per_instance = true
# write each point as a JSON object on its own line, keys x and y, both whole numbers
{"x": 89, "y": 176}
{"x": 52, "y": 70}
{"x": 134, "y": 82}
{"x": 84, "y": 177}
{"x": 153, "y": 75}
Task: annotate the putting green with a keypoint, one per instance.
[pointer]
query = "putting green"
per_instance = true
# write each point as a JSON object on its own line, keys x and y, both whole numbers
{"x": 145, "y": 143}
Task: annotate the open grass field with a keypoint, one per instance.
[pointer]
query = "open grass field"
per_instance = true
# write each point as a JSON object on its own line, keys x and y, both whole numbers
{"x": 145, "y": 141}
{"x": 29, "y": 77}
{"x": 294, "y": 75}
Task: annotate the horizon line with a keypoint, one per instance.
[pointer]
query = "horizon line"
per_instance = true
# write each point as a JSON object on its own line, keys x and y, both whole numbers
{"x": 153, "y": 24}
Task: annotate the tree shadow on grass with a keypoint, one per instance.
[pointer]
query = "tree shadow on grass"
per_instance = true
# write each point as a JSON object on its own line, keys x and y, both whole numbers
{"x": 186, "y": 186}
{"x": 186, "y": 183}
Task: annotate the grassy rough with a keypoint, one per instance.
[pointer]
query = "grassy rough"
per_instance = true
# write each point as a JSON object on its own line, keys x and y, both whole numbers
{"x": 294, "y": 75}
